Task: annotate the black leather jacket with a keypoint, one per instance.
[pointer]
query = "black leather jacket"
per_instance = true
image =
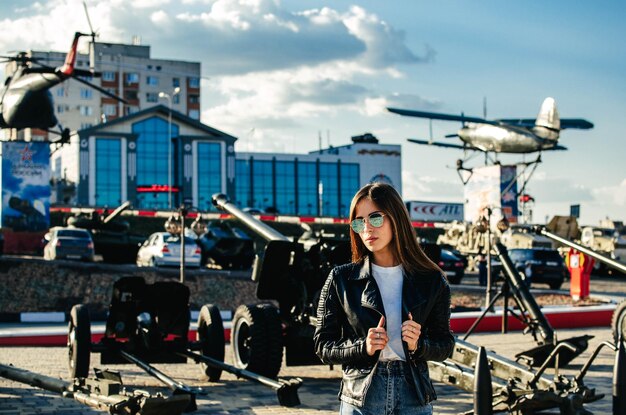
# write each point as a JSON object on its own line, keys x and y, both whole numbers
{"x": 350, "y": 304}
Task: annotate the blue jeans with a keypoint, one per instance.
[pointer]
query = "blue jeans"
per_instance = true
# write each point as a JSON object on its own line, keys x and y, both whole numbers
{"x": 390, "y": 392}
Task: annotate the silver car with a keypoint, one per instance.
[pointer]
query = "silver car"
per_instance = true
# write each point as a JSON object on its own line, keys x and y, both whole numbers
{"x": 163, "y": 249}
{"x": 69, "y": 243}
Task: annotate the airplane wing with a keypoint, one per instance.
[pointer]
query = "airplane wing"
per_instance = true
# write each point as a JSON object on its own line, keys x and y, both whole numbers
{"x": 440, "y": 116}
{"x": 578, "y": 123}
{"x": 439, "y": 144}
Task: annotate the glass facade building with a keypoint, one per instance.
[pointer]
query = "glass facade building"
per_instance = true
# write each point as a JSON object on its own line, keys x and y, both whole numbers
{"x": 108, "y": 174}
{"x": 294, "y": 187}
{"x": 152, "y": 160}
{"x": 128, "y": 159}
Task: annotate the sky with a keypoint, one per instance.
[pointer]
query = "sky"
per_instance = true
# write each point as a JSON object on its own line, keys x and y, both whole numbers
{"x": 281, "y": 74}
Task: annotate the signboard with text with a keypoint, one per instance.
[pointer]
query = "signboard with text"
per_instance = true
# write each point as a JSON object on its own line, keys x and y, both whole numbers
{"x": 25, "y": 179}
{"x": 435, "y": 211}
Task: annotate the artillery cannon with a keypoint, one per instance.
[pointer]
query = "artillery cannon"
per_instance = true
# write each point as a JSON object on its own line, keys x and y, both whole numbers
{"x": 287, "y": 274}
{"x": 110, "y": 235}
{"x": 149, "y": 323}
{"x": 104, "y": 392}
{"x": 618, "y": 321}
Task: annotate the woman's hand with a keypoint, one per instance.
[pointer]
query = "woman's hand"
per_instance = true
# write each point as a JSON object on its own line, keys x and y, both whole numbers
{"x": 411, "y": 331}
{"x": 376, "y": 338}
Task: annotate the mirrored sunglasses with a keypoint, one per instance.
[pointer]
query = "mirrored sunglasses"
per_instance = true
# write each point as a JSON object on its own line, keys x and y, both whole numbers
{"x": 375, "y": 220}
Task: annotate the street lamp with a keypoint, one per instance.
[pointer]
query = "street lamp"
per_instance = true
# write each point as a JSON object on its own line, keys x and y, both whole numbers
{"x": 169, "y": 143}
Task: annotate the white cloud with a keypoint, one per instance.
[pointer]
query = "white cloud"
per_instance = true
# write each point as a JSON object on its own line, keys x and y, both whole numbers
{"x": 160, "y": 17}
{"x": 615, "y": 195}
{"x": 416, "y": 187}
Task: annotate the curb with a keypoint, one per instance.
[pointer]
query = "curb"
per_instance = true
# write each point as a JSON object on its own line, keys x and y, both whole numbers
{"x": 460, "y": 322}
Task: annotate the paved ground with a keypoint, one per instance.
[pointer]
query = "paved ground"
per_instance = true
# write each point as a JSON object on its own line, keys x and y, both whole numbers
{"x": 320, "y": 384}
{"x": 233, "y": 396}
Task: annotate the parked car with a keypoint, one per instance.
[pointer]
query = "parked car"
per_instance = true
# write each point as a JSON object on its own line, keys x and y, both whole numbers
{"x": 68, "y": 242}
{"x": 546, "y": 265}
{"x": 453, "y": 265}
{"x": 163, "y": 249}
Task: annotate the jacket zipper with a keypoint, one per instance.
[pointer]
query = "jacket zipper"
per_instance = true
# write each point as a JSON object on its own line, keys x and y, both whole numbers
{"x": 371, "y": 374}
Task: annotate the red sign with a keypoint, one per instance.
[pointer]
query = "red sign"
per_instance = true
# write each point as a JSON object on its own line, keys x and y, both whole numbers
{"x": 158, "y": 188}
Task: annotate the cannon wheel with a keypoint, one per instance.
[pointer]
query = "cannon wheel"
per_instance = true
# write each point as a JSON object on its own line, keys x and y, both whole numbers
{"x": 79, "y": 341}
{"x": 256, "y": 338}
{"x": 618, "y": 321}
{"x": 211, "y": 336}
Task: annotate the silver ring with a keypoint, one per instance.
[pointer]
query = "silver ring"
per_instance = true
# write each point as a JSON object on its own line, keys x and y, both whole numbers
{"x": 378, "y": 335}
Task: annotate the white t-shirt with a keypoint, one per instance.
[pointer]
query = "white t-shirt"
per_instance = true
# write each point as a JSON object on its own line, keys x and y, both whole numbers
{"x": 389, "y": 281}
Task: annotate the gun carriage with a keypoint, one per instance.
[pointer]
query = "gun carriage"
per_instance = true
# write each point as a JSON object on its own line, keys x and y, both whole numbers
{"x": 290, "y": 275}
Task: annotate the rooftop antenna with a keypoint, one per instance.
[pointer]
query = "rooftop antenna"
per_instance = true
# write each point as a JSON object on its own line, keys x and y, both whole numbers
{"x": 319, "y": 139}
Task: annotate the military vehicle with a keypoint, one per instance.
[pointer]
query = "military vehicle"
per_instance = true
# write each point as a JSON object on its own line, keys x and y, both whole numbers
{"x": 223, "y": 245}
{"x": 522, "y": 236}
{"x": 110, "y": 235}
{"x": 609, "y": 239}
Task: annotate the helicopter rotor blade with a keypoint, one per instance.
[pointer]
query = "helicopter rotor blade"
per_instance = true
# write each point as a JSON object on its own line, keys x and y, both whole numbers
{"x": 98, "y": 88}
{"x": 92, "y": 52}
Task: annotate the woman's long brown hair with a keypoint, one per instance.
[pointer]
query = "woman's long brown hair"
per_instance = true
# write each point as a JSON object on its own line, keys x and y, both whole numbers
{"x": 404, "y": 243}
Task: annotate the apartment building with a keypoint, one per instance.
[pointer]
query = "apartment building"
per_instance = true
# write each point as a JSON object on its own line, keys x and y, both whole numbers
{"x": 128, "y": 71}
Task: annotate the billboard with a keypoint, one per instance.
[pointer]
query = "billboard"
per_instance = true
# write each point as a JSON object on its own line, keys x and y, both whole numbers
{"x": 494, "y": 187}
{"x": 435, "y": 211}
{"x": 25, "y": 181}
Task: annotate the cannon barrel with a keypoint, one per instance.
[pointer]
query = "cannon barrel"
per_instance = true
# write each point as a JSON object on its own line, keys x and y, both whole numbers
{"x": 525, "y": 299}
{"x": 269, "y": 234}
{"x": 607, "y": 261}
{"x": 118, "y": 211}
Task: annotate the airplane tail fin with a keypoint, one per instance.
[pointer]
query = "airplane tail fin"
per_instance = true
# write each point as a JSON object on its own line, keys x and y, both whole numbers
{"x": 548, "y": 124}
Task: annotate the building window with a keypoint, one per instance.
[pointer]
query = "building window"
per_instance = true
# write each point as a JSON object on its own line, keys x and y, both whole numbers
{"x": 130, "y": 109}
{"x": 195, "y": 114}
{"x": 152, "y": 160}
{"x": 194, "y": 82}
{"x": 263, "y": 186}
{"x": 194, "y": 99}
{"x": 60, "y": 109}
{"x": 152, "y": 80}
{"x": 307, "y": 188}
{"x": 329, "y": 190}
{"x": 209, "y": 174}
{"x": 132, "y": 78}
{"x": 86, "y": 93}
{"x": 152, "y": 97}
{"x": 175, "y": 82}
{"x": 60, "y": 92}
{"x": 84, "y": 125}
{"x": 242, "y": 183}
{"x": 348, "y": 184}
{"x": 108, "y": 172}
{"x": 109, "y": 109}
{"x": 176, "y": 99}
{"x": 108, "y": 76}
{"x": 85, "y": 110}
{"x": 286, "y": 187}
{"x": 131, "y": 95}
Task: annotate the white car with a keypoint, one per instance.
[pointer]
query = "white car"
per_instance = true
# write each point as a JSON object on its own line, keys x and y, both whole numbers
{"x": 163, "y": 249}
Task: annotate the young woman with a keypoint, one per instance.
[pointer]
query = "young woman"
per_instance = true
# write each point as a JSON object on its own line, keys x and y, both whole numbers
{"x": 383, "y": 316}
